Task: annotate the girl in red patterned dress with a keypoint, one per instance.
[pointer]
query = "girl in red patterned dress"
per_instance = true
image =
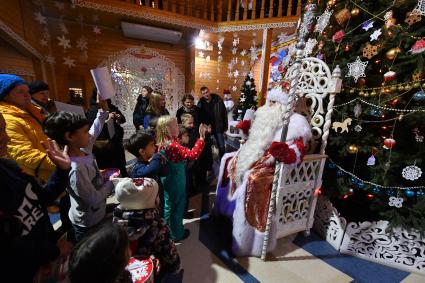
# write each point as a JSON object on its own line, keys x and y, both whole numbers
{"x": 174, "y": 182}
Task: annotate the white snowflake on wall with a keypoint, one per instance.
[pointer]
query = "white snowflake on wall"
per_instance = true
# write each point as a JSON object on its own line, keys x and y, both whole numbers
{"x": 82, "y": 43}
{"x": 244, "y": 52}
{"x": 69, "y": 62}
{"x": 64, "y": 42}
{"x": 40, "y": 18}
{"x": 63, "y": 28}
{"x": 97, "y": 30}
{"x": 43, "y": 42}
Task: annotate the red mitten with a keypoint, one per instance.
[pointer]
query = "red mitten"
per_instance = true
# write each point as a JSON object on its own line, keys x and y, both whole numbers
{"x": 244, "y": 125}
{"x": 282, "y": 152}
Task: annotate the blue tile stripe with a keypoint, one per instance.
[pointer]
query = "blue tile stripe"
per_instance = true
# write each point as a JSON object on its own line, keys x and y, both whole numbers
{"x": 359, "y": 269}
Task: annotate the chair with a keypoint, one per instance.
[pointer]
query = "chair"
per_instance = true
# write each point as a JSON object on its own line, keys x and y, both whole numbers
{"x": 298, "y": 186}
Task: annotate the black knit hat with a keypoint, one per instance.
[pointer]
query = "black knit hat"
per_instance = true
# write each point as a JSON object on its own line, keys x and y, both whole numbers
{"x": 37, "y": 86}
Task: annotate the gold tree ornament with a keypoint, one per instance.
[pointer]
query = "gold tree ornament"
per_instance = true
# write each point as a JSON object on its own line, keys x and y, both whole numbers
{"x": 412, "y": 18}
{"x": 352, "y": 149}
{"x": 342, "y": 16}
{"x": 370, "y": 50}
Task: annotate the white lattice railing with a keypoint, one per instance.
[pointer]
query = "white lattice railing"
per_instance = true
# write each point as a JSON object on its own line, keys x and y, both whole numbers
{"x": 371, "y": 241}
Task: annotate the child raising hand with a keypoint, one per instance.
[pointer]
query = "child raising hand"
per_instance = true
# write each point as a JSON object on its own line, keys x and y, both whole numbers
{"x": 175, "y": 181}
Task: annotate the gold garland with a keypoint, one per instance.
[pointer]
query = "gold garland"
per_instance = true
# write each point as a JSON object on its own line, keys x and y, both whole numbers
{"x": 373, "y": 91}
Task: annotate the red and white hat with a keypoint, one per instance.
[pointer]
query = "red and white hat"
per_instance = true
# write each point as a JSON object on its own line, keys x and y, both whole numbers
{"x": 277, "y": 94}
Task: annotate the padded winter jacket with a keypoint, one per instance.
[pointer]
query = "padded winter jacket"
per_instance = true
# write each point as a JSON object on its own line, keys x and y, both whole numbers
{"x": 25, "y": 132}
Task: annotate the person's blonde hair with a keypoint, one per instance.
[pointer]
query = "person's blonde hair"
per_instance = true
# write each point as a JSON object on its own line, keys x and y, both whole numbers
{"x": 155, "y": 104}
{"x": 185, "y": 117}
{"x": 162, "y": 133}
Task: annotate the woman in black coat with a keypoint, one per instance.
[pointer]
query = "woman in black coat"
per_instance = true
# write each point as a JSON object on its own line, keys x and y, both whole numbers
{"x": 141, "y": 106}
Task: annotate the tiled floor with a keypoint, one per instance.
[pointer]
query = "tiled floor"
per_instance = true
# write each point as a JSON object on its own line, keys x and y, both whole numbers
{"x": 289, "y": 263}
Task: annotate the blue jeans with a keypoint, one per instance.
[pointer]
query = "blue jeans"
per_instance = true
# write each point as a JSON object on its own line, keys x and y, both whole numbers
{"x": 219, "y": 137}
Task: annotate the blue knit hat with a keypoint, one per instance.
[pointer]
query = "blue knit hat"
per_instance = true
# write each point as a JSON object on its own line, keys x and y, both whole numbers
{"x": 9, "y": 82}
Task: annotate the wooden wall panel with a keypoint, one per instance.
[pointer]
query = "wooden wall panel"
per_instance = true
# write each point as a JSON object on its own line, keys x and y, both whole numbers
{"x": 11, "y": 15}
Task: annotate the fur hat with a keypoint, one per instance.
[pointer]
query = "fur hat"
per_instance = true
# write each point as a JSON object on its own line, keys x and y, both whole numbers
{"x": 277, "y": 94}
{"x": 37, "y": 86}
{"x": 9, "y": 82}
{"x": 133, "y": 197}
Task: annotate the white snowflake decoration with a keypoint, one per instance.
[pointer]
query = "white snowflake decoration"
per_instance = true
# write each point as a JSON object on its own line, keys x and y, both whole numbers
{"x": 367, "y": 25}
{"x": 236, "y": 73}
{"x": 63, "y": 28}
{"x": 43, "y": 42}
{"x": 254, "y": 55}
{"x": 388, "y": 15}
{"x": 40, "y": 18}
{"x": 375, "y": 35}
{"x": 201, "y": 54}
{"x": 230, "y": 74}
{"x": 69, "y": 62}
{"x": 82, "y": 43}
{"x": 411, "y": 172}
{"x": 244, "y": 52}
{"x": 396, "y": 201}
{"x": 251, "y": 75}
{"x": 50, "y": 59}
{"x": 234, "y": 88}
{"x": 356, "y": 69}
{"x": 242, "y": 99}
{"x": 284, "y": 37}
{"x": 97, "y": 30}
{"x": 230, "y": 66}
{"x": 236, "y": 41}
{"x": 420, "y": 8}
{"x": 358, "y": 128}
{"x": 64, "y": 42}
{"x": 234, "y": 50}
{"x": 323, "y": 21}
{"x": 309, "y": 46}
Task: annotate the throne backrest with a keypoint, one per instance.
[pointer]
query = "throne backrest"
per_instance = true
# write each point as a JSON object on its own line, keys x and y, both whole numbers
{"x": 317, "y": 86}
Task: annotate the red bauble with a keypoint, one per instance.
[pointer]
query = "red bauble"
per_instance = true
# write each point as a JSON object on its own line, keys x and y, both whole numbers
{"x": 338, "y": 36}
{"x": 389, "y": 143}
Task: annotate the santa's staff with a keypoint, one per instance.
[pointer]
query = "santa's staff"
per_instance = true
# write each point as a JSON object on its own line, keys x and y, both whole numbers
{"x": 303, "y": 31}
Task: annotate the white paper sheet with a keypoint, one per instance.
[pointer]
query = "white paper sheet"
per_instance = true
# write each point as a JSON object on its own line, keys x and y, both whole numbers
{"x": 102, "y": 80}
{"x": 60, "y": 106}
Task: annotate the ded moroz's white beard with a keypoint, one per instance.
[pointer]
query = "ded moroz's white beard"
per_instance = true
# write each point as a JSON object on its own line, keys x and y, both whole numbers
{"x": 267, "y": 121}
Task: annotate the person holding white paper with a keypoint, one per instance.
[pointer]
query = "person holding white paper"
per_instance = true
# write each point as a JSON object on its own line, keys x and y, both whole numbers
{"x": 108, "y": 148}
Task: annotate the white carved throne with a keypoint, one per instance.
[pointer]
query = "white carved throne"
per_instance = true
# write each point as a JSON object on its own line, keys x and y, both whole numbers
{"x": 298, "y": 186}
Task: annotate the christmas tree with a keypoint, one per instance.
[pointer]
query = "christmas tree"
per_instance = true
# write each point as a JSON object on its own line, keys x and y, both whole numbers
{"x": 247, "y": 98}
{"x": 376, "y": 148}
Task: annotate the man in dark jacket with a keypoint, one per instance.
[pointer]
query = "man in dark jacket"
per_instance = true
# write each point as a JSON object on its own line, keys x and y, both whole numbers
{"x": 27, "y": 238}
{"x": 214, "y": 114}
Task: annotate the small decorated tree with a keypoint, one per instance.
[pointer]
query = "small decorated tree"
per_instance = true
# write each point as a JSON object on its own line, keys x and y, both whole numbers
{"x": 247, "y": 99}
